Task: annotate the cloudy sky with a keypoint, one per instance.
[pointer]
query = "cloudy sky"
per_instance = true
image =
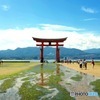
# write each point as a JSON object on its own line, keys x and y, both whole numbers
{"x": 79, "y": 20}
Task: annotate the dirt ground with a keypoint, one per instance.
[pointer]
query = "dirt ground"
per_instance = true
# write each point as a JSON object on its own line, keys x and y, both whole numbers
{"x": 90, "y": 70}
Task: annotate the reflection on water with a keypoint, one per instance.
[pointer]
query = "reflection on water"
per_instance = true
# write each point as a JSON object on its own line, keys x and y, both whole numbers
{"x": 41, "y": 75}
{"x": 43, "y": 72}
{"x": 58, "y": 69}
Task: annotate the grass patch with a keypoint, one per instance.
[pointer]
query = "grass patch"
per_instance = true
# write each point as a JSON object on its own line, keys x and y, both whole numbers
{"x": 26, "y": 79}
{"x": 77, "y": 78}
{"x": 68, "y": 83}
{"x": 31, "y": 92}
{"x": 96, "y": 85}
{"x": 11, "y": 69}
{"x": 63, "y": 93}
{"x": 54, "y": 79}
{"x": 7, "y": 84}
{"x": 67, "y": 71}
{"x": 62, "y": 74}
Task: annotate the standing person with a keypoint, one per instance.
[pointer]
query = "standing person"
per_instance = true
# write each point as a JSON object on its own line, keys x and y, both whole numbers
{"x": 85, "y": 64}
{"x": 93, "y": 63}
{"x": 80, "y": 64}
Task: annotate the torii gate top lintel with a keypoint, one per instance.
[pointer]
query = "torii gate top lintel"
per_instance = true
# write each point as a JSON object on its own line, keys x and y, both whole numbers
{"x": 49, "y": 40}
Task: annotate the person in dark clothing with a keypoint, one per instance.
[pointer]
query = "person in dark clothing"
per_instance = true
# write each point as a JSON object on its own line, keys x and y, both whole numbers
{"x": 93, "y": 63}
{"x": 85, "y": 64}
{"x": 80, "y": 64}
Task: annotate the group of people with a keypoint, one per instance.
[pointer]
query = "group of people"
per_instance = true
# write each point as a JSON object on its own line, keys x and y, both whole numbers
{"x": 83, "y": 63}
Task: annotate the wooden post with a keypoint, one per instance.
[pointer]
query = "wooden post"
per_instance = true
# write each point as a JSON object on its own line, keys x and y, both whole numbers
{"x": 58, "y": 55}
{"x": 57, "y": 52}
{"x": 41, "y": 55}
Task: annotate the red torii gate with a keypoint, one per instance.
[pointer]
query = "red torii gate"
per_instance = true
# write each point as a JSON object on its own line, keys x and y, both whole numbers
{"x": 51, "y": 42}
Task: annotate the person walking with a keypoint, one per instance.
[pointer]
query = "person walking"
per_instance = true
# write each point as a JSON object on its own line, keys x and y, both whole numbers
{"x": 92, "y": 62}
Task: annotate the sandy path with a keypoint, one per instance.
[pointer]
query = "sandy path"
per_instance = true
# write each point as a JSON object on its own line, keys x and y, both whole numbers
{"x": 78, "y": 86}
{"x": 8, "y": 70}
{"x": 92, "y": 71}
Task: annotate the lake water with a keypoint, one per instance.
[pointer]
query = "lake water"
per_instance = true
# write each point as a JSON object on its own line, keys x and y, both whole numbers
{"x": 50, "y": 60}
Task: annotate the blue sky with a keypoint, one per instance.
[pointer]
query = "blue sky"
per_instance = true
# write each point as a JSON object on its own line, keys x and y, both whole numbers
{"x": 76, "y": 19}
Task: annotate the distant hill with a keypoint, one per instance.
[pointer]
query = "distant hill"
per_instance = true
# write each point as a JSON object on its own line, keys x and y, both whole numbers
{"x": 93, "y": 51}
{"x": 49, "y": 53}
{"x": 20, "y": 53}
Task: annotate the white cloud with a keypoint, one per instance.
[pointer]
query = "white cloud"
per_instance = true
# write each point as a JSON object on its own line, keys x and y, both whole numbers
{"x": 88, "y": 10}
{"x": 5, "y": 7}
{"x": 59, "y": 27}
{"x": 90, "y": 19}
{"x": 13, "y": 38}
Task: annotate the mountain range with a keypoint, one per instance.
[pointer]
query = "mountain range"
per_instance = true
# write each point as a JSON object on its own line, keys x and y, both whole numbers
{"x": 49, "y": 53}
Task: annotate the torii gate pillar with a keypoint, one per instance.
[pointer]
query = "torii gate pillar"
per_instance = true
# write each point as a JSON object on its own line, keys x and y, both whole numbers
{"x": 57, "y": 54}
{"x": 41, "y": 54}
